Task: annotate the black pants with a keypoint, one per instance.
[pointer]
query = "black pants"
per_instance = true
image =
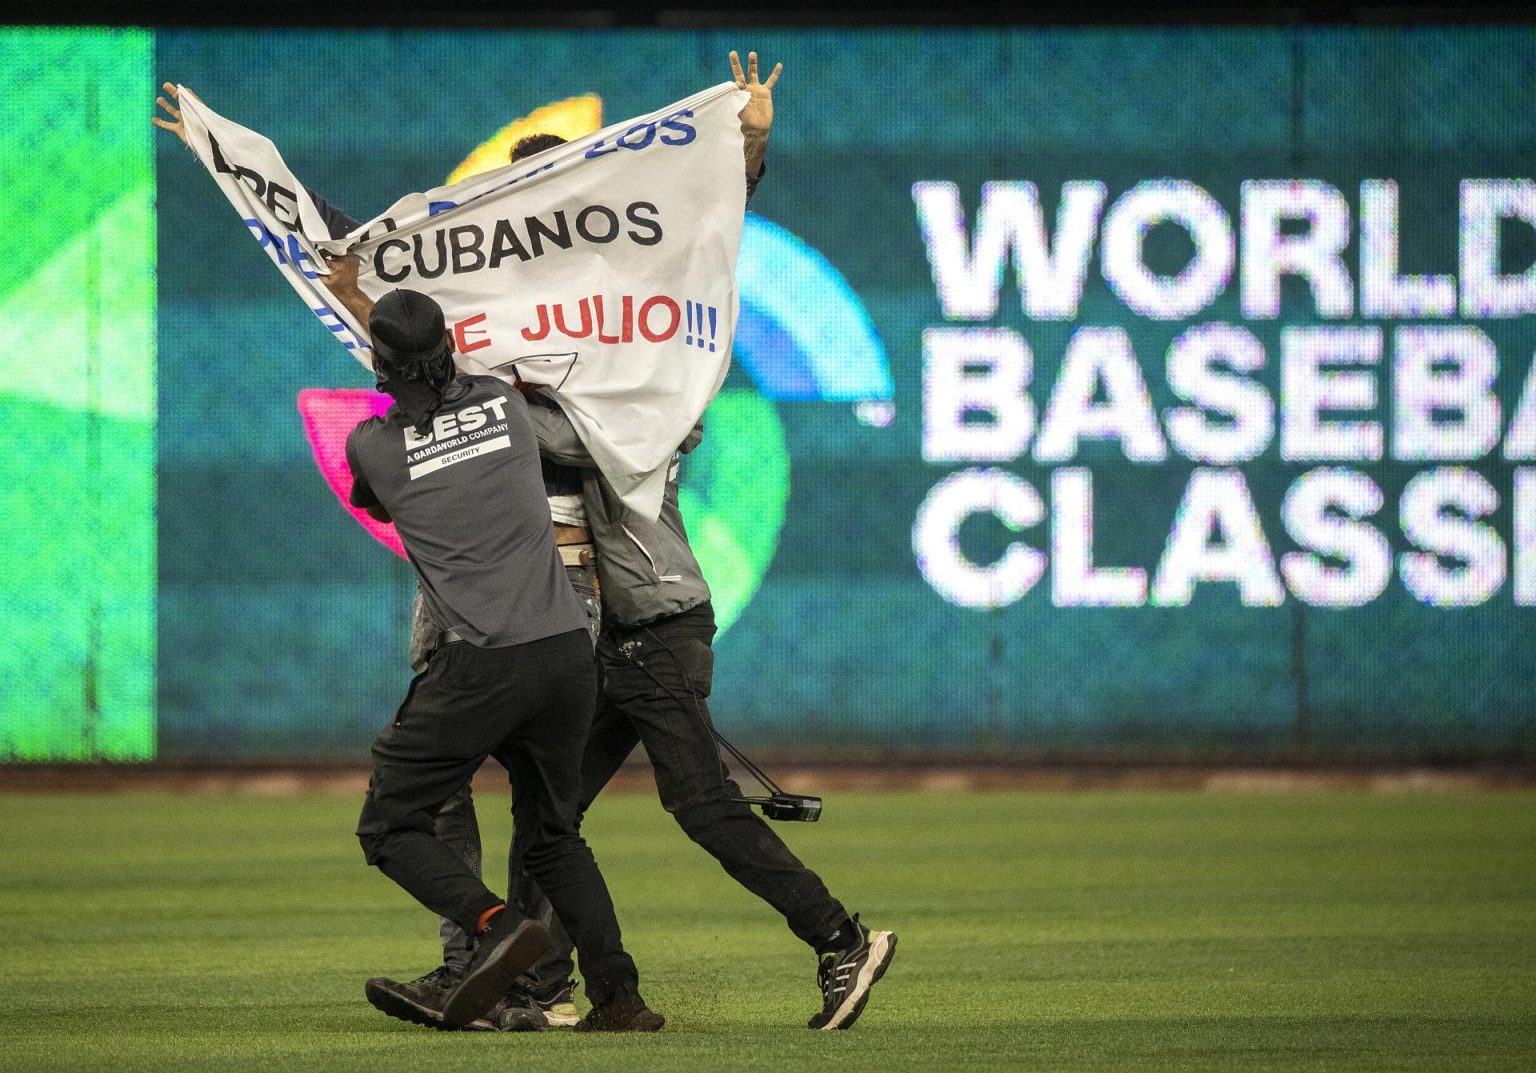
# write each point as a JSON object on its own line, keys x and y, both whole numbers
{"x": 529, "y": 706}
{"x": 638, "y": 668}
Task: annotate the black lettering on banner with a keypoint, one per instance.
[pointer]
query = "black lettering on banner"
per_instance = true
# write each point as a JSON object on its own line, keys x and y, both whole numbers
{"x": 442, "y": 256}
{"x": 504, "y": 242}
{"x": 219, "y": 163}
{"x": 257, "y": 183}
{"x": 378, "y": 261}
{"x": 538, "y": 231}
{"x": 632, "y": 214}
{"x": 274, "y": 194}
{"x": 388, "y": 224}
{"x": 241, "y": 173}
{"x": 463, "y": 249}
{"x": 585, "y": 231}
{"x": 270, "y": 193}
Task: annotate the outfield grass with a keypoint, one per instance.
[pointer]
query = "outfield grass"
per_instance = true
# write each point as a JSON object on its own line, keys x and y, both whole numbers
{"x": 1087, "y": 931}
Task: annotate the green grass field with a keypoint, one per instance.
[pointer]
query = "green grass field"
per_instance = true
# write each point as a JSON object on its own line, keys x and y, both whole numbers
{"x": 1124, "y": 931}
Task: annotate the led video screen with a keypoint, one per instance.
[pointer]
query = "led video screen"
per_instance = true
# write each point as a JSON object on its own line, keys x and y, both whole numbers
{"x": 1115, "y": 391}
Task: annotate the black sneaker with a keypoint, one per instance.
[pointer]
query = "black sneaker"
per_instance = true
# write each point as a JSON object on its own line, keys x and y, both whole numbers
{"x": 845, "y": 977}
{"x": 419, "y": 1001}
{"x": 559, "y": 1006}
{"x": 519, "y": 1012}
{"x": 506, "y": 949}
{"x": 623, "y": 1011}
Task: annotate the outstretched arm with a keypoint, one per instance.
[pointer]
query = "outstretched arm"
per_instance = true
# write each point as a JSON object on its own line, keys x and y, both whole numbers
{"x": 559, "y": 441}
{"x": 557, "y": 437}
{"x": 342, "y": 283}
{"x": 757, "y": 115}
{"x": 338, "y": 222}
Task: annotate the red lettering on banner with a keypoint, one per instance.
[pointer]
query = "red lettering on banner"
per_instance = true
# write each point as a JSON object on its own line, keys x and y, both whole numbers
{"x": 462, "y": 330}
{"x": 586, "y": 319}
{"x": 602, "y": 336}
{"x": 595, "y": 322}
{"x": 645, "y": 319}
{"x": 534, "y": 336}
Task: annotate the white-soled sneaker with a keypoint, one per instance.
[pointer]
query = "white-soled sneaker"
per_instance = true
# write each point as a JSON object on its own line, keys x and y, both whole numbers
{"x": 846, "y": 976}
{"x": 560, "y": 1009}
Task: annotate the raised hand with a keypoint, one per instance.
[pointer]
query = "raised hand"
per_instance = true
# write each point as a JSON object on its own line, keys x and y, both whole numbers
{"x": 343, "y": 277}
{"x": 342, "y": 283}
{"x": 757, "y": 114}
{"x": 176, "y": 125}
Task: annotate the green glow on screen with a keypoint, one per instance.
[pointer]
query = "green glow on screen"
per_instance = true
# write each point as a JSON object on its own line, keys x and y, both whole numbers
{"x": 734, "y": 490}
{"x": 77, "y": 396}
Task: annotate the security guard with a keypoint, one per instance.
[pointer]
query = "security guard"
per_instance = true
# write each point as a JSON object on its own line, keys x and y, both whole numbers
{"x": 455, "y": 466}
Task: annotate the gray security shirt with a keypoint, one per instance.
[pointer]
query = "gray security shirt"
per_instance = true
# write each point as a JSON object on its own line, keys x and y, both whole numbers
{"x": 468, "y": 501}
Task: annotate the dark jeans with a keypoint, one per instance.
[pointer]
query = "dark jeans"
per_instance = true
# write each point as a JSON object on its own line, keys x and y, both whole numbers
{"x": 529, "y": 706}
{"x": 633, "y": 706}
{"x": 457, "y": 824}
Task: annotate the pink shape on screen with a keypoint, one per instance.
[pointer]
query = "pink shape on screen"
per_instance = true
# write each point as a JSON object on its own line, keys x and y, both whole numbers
{"x": 330, "y": 415}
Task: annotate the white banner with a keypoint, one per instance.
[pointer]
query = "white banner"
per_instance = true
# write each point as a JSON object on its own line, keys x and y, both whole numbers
{"x": 604, "y": 268}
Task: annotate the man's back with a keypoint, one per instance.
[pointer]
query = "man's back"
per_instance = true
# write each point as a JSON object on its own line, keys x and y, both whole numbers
{"x": 468, "y": 500}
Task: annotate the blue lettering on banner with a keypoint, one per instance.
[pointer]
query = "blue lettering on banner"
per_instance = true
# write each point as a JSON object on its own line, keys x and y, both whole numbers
{"x": 284, "y": 251}
{"x": 641, "y": 135}
{"x": 519, "y": 178}
{"x": 637, "y": 137}
{"x": 338, "y": 327}
{"x": 299, "y": 258}
{"x": 684, "y": 132}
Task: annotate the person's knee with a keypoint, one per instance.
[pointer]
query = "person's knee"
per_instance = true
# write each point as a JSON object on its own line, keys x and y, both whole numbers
{"x": 550, "y": 846}
{"x": 462, "y": 801}
{"x": 373, "y": 847}
{"x": 703, "y": 782}
{"x": 379, "y": 828}
{"x": 706, "y": 805}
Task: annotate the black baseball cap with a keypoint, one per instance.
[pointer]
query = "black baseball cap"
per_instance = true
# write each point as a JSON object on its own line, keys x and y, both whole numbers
{"x": 407, "y": 328}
